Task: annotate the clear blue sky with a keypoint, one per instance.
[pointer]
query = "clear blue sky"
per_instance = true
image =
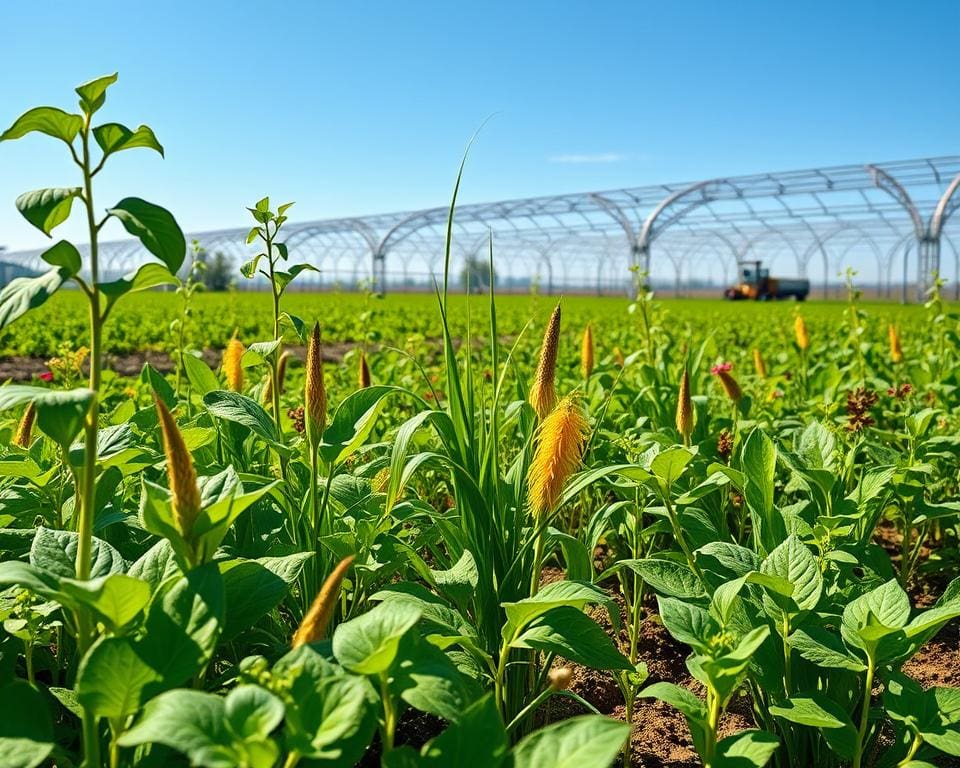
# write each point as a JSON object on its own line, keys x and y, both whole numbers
{"x": 353, "y": 108}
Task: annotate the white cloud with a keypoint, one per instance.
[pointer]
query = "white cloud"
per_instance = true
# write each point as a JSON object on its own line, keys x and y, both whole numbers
{"x": 583, "y": 159}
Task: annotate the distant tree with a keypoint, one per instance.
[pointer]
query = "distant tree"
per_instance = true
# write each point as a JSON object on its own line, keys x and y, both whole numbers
{"x": 477, "y": 271}
{"x": 217, "y": 272}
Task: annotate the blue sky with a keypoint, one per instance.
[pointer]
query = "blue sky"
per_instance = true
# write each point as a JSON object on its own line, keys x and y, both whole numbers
{"x": 353, "y": 108}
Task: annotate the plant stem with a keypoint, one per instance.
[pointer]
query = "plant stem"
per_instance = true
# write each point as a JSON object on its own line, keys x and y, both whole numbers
{"x": 786, "y": 655}
{"x": 865, "y": 713}
{"x": 713, "y": 720}
{"x": 914, "y": 746}
{"x": 389, "y": 713}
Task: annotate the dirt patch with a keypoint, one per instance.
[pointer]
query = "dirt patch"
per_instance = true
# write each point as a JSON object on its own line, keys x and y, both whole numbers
{"x": 27, "y": 368}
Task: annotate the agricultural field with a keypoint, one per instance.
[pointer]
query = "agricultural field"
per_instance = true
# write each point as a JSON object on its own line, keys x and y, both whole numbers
{"x": 337, "y": 530}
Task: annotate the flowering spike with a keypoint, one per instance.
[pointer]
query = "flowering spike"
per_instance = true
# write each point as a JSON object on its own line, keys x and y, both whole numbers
{"x": 181, "y": 475}
{"x": 800, "y": 331}
{"x": 314, "y": 624}
{"x": 685, "y": 408}
{"x": 363, "y": 372}
{"x": 896, "y": 352}
{"x": 618, "y": 357}
{"x": 561, "y": 439}
{"x": 25, "y": 428}
{"x": 729, "y": 384}
{"x": 586, "y": 352}
{"x": 314, "y": 391}
{"x": 232, "y": 367}
{"x": 759, "y": 364}
{"x": 543, "y": 393}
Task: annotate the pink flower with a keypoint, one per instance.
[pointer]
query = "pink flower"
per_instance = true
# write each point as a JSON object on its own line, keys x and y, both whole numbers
{"x": 722, "y": 368}
{"x": 46, "y": 376}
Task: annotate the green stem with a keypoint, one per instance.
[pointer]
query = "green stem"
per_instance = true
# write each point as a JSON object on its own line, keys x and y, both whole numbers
{"x": 865, "y": 713}
{"x": 292, "y": 759}
{"x": 389, "y": 714}
{"x": 678, "y": 535}
{"x": 713, "y": 721}
{"x": 786, "y": 655}
{"x": 914, "y": 747}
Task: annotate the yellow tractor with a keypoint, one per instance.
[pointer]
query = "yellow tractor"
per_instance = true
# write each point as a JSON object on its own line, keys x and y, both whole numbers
{"x": 756, "y": 283}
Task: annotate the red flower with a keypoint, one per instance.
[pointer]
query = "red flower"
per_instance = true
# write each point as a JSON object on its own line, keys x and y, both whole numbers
{"x": 722, "y": 368}
{"x": 46, "y": 376}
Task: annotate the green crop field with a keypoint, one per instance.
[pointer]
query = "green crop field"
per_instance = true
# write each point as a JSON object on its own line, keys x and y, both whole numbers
{"x": 432, "y": 531}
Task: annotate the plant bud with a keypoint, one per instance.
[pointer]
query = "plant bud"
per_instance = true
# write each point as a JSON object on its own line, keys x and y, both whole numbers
{"x": 317, "y": 619}
{"x": 685, "y": 408}
{"x": 25, "y": 427}
{"x": 543, "y": 393}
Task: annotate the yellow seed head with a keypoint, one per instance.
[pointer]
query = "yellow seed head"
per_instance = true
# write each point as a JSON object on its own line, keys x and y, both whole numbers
{"x": 759, "y": 364}
{"x": 560, "y": 678}
{"x": 25, "y": 428}
{"x": 363, "y": 377}
{"x": 896, "y": 352}
{"x": 314, "y": 624}
{"x": 181, "y": 475}
{"x": 586, "y": 352}
{"x": 685, "y": 408}
{"x": 800, "y": 331}
{"x": 561, "y": 439}
{"x": 543, "y": 393}
{"x": 730, "y": 386}
{"x": 618, "y": 357}
{"x": 381, "y": 481}
{"x": 314, "y": 391}
{"x": 232, "y": 368}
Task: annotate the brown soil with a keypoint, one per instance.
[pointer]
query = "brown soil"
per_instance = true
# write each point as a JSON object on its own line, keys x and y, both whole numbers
{"x": 20, "y": 368}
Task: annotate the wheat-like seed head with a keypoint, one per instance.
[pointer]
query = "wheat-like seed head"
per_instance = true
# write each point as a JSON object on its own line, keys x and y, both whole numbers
{"x": 315, "y": 622}
{"x": 586, "y": 352}
{"x": 618, "y": 357}
{"x": 232, "y": 368}
{"x": 363, "y": 373}
{"x": 543, "y": 393}
{"x": 896, "y": 352}
{"x": 181, "y": 475}
{"x": 561, "y": 439}
{"x": 800, "y": 331}
{"x": 25, "y": 427}
{"x": 314, "y": 390}
{"x": 759, "y": 364}
{"x": 685, "y": 408}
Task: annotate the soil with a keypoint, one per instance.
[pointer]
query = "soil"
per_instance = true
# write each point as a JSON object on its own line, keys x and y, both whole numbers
{"x": 20, "y": 368}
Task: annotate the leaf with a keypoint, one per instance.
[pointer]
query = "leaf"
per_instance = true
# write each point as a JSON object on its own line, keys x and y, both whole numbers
{"x": 187, "y": 721}
{"x": 47, "y": 208}
{"x": 794, "y": 562}
{"x": 576, "y": 594}
{"x": 232, "y": 406}
{"x": 285, "y": 278}
{"x": 759, "y": 459}
{"x": 459, "y": 582}
{"x": 22, "y": 294}
{"x": 429, "y": 681}
{"x": 147, "y": 276}
{"x": 112, "y": 677}
{"x": 667, "y": 577}
{"x": 368, "y": 644}
{"x": 63, "y": 254}
{"x": 49, "y": 120}
{"x": 818, "y": 711}
{"x": 570, "y": 633}
{"x": 588, "y": 740}
{"x": 183, "y": 626}
{"x": 681, "y": 699}
{"x": 155, "y": 227}
{"x": 352, "y": 422}
{"x": 255, "y": 587}
{"x": 252, "y": 712}
{"x": 687, "y": 623}
{"x": 201, "y": 377}
{"x": 56, "y": 553}
{"x": 26, "y": 729}
{"x": 668, "y": 465}
{"x": 114, "y": 137}
{"x": 93, "y": 93}
{"x": 477, "y": 740}
{"x": 824, "y": 649}
{"x": 747, "y": 749}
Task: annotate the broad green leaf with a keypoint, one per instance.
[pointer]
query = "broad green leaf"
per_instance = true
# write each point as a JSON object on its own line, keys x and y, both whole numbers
{"x": 155, "y": 227}
{"x": 818, "y": 711}
{"x": 576, "y": 594}
{"x": 112, "y": 678}
{"x": 63, "y": 254}
{"x": 820, "y": 647}
{"x": 255, "y": 587}
{"x": 252, "y": 712}
{"x": 477, "y": 740}
{"x": 190, "y": 722}
{"x": 47, "y": 208}
{"x": 681, "y": 699}
{"x": 202, "y": 379}
{"x": 232, "y": 406}
{"x": 667, "y": 577}
{"x": 114, "y": 137}
{"x": 116, "y": 599}
{"x": 795, "y": 563}
{"x": 56, "y": 553}
{"x": 93, "y": 93}
{"x": 568, "y": 632}
{"x": 147, "y": 276}
{"x": 429, "y": 681}
{"x": 352, "y": 422}
{"x": 49, "y": 120}
{"x": 368, "y": 644}
{"x": 668, "y": 465}
{"x": 746, "y": 748}
{"x": 888, "y": 603}
{"x": 687, "y": 623}
{"x": 22, "y": 294}
{"x": 589, "y": 740}
{"x": 759, "y": 459}
{"x": 26, "y": 727}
